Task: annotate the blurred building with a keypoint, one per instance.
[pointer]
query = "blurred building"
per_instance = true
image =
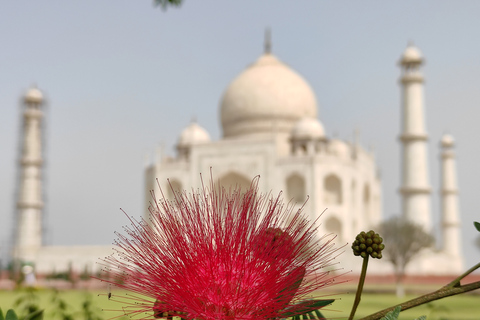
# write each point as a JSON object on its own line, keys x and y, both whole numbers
{"x": 271, "y": 127}
{"x": 29, "y": 246}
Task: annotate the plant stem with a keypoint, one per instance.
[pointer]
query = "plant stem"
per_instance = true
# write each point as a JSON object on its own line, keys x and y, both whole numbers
{"x": 456, "y": 282}
{"x": 446, "y": 291}
{"x": 361, "y": 281}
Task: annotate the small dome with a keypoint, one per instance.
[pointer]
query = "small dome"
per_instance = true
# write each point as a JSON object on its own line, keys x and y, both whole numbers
{"x": 308, "y": 128}
{"x": 447, "y": 141}
{"x": 268, "y": 96}
{"x": 192, "y": 135}
{"x": 33, "y": 95}
{"x": 411, "y": 55}
{"x": 339, "y": 147}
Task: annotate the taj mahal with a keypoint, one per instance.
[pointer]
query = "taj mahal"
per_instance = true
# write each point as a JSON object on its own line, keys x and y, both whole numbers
{"x": 271, "y": 127}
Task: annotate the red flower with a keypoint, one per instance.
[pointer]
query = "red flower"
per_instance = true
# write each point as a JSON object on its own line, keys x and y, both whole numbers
{"x": 219, "y": 254}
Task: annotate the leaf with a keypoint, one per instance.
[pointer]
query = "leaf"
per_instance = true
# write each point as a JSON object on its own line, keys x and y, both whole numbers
{"x": 477, "y": 225}
{"x": 306, "y": 309}
{"x": 11, "y": 315}
{"x": 294, "y": 281}
{"x": 1, "y": 314}
{"x": 393, "y": 315}
{"x": 37, "y": 315}
{"x": 422, "y": 318}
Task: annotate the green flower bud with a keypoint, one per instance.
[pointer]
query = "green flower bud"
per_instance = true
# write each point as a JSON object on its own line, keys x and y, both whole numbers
{"x": 368, "y": 243}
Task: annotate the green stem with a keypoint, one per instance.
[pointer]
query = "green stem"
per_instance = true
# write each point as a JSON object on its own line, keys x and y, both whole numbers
{"x": 361, "y": 281}
{"x": 443, "y": 292}
{"x": 456, "y": 282}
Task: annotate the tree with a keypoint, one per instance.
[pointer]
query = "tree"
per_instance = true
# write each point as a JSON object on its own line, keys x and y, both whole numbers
{"x": 477, "y": 241}
{"x": 403, "y": 241}
{"x": 165, "y": 3}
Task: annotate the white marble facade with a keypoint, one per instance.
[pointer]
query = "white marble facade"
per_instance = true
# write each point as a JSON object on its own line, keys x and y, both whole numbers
{"x": 271, "y": 128}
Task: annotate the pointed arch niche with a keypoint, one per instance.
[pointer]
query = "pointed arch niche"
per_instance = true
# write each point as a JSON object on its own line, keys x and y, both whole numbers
{"x": 353, "y": 201}
{"x": 172, "y": 187}
{"x": 233, "y": 180}
{"x": 296, "y": 188}
{"x": 333, "y": 190}
{"x": 334, "y": 225}
{"x": 367, "y": 201}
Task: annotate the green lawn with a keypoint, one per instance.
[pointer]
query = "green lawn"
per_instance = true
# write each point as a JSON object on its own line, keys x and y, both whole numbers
{"x": 462, "y": 307}
{"x": 75, "y": 300}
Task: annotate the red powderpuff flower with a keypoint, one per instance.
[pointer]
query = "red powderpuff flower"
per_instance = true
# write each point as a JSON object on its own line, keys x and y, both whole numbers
{"x": 220, "y": 254}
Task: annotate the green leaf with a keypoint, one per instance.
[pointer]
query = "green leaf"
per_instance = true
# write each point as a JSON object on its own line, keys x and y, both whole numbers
{"x": 477, "y": 225}
{"x": 318, "y": 314}
{"x": 306, "y": 309}
{"x": 393, "y": 315}
{"x": 11, "y": 315}
{"x": 422, "y": 318}
{"x": 1, "y": 314}
{"x": 37, "y": 315}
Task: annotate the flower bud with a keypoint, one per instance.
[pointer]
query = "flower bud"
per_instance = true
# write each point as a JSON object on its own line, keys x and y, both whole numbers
{"x": 368, "y": 243}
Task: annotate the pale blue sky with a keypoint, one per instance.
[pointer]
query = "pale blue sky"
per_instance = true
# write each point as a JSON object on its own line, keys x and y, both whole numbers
{"x": 122, "y": 77}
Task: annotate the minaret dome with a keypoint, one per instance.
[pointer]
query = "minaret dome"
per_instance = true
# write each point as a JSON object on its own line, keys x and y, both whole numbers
{"x": 447, "y": 141}
{"x": 33, "y": 95}
{"x": 411, "y": 55}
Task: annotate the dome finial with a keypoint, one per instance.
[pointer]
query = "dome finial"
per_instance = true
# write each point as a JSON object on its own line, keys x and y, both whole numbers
{"x": 268, "y": 41}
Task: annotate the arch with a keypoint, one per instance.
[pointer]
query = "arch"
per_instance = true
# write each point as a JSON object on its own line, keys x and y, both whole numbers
{"x": 366, "y": 195}
{"x": 233, "y": 180}
{"x": 173, "y": 186}
{"x": 353, "y": 200}
{"x": 333, "y": 225}
{"x": 333, "y": 190}
{"x": 296, "y": 188}
{"x": 353, "y": 191}
{"x": 367, "y": 201}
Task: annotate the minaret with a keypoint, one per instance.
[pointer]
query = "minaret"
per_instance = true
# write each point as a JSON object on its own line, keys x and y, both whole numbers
{"x": 415, "y": 188}
{"x": 449, "y": 199}
{"x": 28, "y": 236}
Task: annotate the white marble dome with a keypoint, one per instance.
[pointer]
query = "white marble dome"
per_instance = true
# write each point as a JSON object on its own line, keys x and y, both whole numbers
{"x": 33, "y": 95}
{"x": 266, "y": 97}
{"x": 411, "y": 55}
{"x": 193, "y": 134}
{"x": 339, "y": 148}
{"x": 308, "y": 128}
{"x": 447, "y": 141}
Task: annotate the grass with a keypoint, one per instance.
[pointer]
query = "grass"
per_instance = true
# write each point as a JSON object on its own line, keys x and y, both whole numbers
{"x": 75, "y": 302}
{"x": 462, "y": 307}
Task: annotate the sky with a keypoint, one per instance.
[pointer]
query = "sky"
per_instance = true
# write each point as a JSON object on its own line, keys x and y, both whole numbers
{"x": 122, "y": 78}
